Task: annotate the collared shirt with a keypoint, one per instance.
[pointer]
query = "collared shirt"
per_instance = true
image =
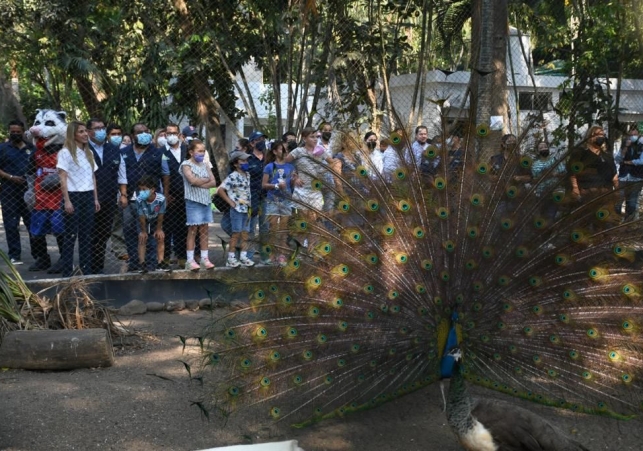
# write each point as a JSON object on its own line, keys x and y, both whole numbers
{"x": 80, "y": 174}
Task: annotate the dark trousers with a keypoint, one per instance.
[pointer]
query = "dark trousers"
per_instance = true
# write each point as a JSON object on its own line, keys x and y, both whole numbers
{"x": 131, "y": 229}
{"x": 103, "y": 223}
{"x": 631, "y": 193}
{"x": 176, "y": 231}
{"x": 79, "y": 225}
{"x": 14, "y": 209}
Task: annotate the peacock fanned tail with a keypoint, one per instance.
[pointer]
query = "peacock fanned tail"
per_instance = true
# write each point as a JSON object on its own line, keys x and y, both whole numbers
{"x": 548, "y": 308}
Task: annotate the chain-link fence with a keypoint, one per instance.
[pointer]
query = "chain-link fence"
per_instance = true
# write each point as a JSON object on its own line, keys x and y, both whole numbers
{"x": 144, "y": 79}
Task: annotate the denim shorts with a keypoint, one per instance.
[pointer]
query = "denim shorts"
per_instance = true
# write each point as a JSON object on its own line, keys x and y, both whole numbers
{"x": 240, "y": 222}
{"x": 44, "y": 222}
{"x": 281, "y": 207}
{"x": 196, "y": 213}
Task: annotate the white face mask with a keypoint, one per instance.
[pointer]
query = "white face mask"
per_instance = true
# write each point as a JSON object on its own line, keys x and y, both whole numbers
{"x": 161, "y": 141}
{"x": 172, "y": 140}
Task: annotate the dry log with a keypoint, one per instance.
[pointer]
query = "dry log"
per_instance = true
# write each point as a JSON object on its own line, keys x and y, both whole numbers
{"x": 56, "y": 349}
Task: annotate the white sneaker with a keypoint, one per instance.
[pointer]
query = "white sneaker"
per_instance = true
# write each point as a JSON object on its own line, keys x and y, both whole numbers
{"x": 245, "y": 261}
{"x": 16, "y": 261}
{"x": 232, "y": 262}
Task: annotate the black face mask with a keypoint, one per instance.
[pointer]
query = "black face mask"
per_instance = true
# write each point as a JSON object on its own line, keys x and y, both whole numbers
{"x": 600, "y": 140}
{"x": 292, "y": 145}
{"x": 544, "y": 153}
{"x": 371, "y": 145}
{"x": 326, "y": 136}
{"x": 15, "y": 137}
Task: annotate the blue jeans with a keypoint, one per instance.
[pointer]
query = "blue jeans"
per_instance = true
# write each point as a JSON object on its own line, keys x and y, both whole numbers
{"x": 13, "y": 209}
{"x": 264, "y": 228}
{"x": 631, "y": 193}
{"x": 79, "y": 224}
{"x": 131, "y": 229}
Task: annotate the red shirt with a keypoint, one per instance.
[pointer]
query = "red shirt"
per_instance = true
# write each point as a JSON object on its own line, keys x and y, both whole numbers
{"x": 45, "y": 165}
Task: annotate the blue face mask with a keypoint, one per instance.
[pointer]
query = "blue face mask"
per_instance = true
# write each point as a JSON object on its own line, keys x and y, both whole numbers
{"x": 634, "y": 138}
{"x": 244, "y": 166}
{"x": 260, "y": 145}
{"x": 144, "y": 194}
{"x": 199, "y": 157}
{"x": 100, "y": 135}
{"x": 116, "y": 140}
{"x": 143, "y": 139}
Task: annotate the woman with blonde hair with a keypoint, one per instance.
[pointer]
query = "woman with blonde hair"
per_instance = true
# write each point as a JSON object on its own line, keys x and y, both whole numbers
{"x": 76, "y": 168}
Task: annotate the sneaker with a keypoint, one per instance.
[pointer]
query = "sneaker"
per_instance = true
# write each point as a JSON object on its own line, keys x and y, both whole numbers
{"x": 41, "y": 264}
{"x": 192, "y": 265}
{"x": 232, "y": 262}
{"x": 163, "y": 266}
{"x": 245, "y": 261}
{"x": 282, "y": 260}
{"x": 16, "y": 261}
{"x": 206, "y": 264}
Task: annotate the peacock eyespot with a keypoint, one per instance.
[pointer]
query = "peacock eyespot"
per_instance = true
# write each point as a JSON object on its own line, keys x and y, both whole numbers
{"x": 321, "y": 338}
{"x": 373, "y": 205}
{"x": 396, "y": 309}
{"x": 275, "y": 412}
{"x": 275, "y": 356}
{"x": 471, "y": 264}
{"x": 601, "y": 405}
{"x": 401, "y": 258}
{"x": 537, "y": 359}
{"x": 592, "y": 333}
{"x": 418, "y": 232}
{"x": 362, "y": 171}
{"x": 627, "y": 326}
{"x": 233, "y": 391}
{"x": 577, "y": 236}
{"x": 400, "y": 174}
{"x": 384, "y": 308}
{"x": 313, "y": 312}
{"x": 265, "y": 382}
{"x": 626, "y": 378}
{"x": 273, "y": 288}
{"x": 343, "y": 206}
{"x": 521, "y": 252}
{"x": 528, "y": 330}
{"x": 554, "y": 339}
{"x": 602, "y": 214}
{"x": 561, "y": 259}
{"x": 511, "y": 192}
{"x": 370, "y": 315}
{"x": 368, "y": 289}
{"x": 442, "y": 213}
{"x": 440, "y": 183}
{"x": 629, "y": 289}
{"x": 472, "y": 232}
{"x": 507, "y": 307}
{"x": 558, "y": 197}
{"x": 449, "y": 246}
{"x": 487, "y": 252}
{"x": 355, "y": 348}
{"x": 539, "y": 223}
{"x": 427, "y": 265}
{"x": 302, "y": 225}
{"x": 297, "y": 379}
{"x": 267, "y": 249}
{"x": 307, "y": 355}
{"x": 563, "y": 318}
{"x": 403, "y": 206}
{"x": 552, "y": 373}
{"x": 230, "y": 333}
{"x": 503, "y": 281}
{"x": 261, "y": 332}
{"x": 316, "y": 185}
{"x": 437, "y": 300}
{"x": 476, "y": 200}
{"x": 214, "y": 359}
{"x": 444, "y": 276}
{"x": 506, "y": 223}
{"x": 478, "y": 286}
{"x": 342, "y": 326}
{"x": 431, "y": 152}
{"x": 574, "y": 355}
{"x": 388, "y": 230}
{"x": 614, "y": 355}
{"x": 535, "y": 281}
{"x": 341, "y": 363}
{"x": 537, "y": 309}
{"x": 392, "y": 294}
{"x": 372, "y": 259}
{"x": 420, "y": 289}
{"x": 482, "y": 130}
{"x": 246, "y": 363}
{"x": 286, "y": 300}
{"x": 396, "y": 138}
{"x": 513, "y": 349}
{"x": 569, "y": 295}
{"x": 459, "y": 299}
{"x": 525, "y": 162}
{"x": 576, "y": 167}
{"x": 338, "y": 302}
{"x": 501, "y": 325}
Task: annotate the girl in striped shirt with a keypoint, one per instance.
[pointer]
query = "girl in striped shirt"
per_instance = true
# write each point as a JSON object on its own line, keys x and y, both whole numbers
{"x": 197, "y": 181}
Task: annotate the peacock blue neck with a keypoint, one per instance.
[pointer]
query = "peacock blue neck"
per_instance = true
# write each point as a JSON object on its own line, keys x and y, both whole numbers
{"x": 447, "y": 362}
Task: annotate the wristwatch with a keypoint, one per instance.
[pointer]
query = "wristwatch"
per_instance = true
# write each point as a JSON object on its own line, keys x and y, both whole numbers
{"x": 276, "y": 186}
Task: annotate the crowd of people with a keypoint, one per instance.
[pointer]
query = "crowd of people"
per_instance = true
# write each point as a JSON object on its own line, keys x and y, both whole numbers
{"x": 151, "y": 193}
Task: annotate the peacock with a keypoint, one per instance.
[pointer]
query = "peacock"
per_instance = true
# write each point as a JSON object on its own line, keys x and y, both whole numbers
{"x": 537, "y": 289}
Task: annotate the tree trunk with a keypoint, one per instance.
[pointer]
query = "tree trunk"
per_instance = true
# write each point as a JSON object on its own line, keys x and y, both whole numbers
{"x": 66, "y": 349}
{"x": 488, "y": 84}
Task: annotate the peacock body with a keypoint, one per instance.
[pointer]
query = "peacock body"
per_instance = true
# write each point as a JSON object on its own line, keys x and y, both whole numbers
{"x": 410, "y": 264}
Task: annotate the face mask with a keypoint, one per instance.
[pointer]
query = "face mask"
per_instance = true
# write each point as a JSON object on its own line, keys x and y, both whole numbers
{"x": 161, "y": 141}
{"x": 371, "y": 144}
{"x": 172, "y": 140}
{"x": 244, "y": 166}
{"x": 449, "y": 141}
{"x": 143, "y": 139}
{"x": 634, "y": 138}
{"x": 326, "y": 136}
{"x": 199, "y": 157}
{"x": 292, "y": 145}
{"x": 15, "y": 137}
{"x": 600, "y": 140}
{"x": 260, "y": 145}
{"x": 116, "y": 140}
{"x": 318, "y": 150}
{"x": 544, "y": 153}
{"x": 100, "y": 135}
{"x": 144, "y": 194}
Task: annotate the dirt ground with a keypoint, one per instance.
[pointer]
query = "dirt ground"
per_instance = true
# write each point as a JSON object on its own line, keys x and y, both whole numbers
{"x": 142, "y": 403}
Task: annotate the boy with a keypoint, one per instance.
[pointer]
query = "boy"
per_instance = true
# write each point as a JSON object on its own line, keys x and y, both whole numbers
{"x": 150, "y": 207}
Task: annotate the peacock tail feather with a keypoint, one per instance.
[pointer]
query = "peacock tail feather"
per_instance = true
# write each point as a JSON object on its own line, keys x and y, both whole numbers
{"x": 546, "y": 308}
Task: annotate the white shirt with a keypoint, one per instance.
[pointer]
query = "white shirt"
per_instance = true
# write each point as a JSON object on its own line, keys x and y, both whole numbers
{"x": 390, "y": 163}
{"x": 80, "y": 176}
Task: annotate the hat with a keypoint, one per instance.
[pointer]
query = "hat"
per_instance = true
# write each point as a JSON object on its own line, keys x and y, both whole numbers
{"x": 238, "y": 155}
{"x": 189, "y": 130}
{"x": 255, "y": 135}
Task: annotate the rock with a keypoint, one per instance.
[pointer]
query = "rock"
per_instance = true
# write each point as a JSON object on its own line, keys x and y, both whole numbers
{"x": 205, "y": 304}
{"x": 174, "y": 306}
{"x": 155, "y": 306}
{"x": 133, "y": 307}
{"x": 192, "y": 304}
